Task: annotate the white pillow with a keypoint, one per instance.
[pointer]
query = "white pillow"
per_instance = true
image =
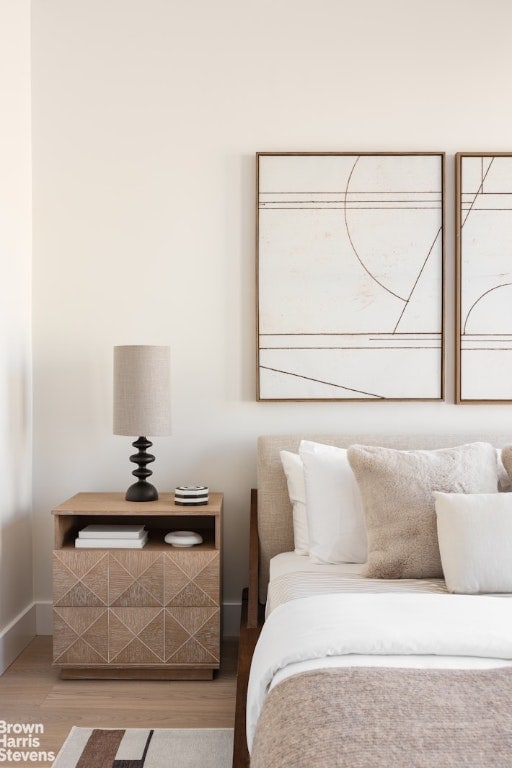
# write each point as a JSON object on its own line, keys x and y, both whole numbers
{"x": 294, "y": 471}
{"x": 475, "y": 541}
{"x": 334, "y": 508}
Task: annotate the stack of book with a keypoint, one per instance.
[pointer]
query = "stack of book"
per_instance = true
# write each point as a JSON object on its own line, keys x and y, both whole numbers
{"x": 111, "y": 536}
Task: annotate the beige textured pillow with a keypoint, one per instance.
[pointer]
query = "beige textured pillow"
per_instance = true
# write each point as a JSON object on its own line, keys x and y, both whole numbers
{"x": 506, "y": 459}
{"x": 397, "y": 487}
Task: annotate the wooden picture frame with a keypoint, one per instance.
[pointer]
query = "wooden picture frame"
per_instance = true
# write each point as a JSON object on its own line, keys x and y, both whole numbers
{"x": 483, "y": 316}
{"x": 350, "y": 268}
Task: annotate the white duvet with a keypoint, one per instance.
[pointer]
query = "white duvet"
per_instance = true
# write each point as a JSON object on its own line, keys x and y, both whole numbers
{"x": 378, "y": 629}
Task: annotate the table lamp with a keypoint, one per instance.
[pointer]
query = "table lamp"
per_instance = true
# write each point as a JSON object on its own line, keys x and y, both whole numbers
{"x": 142, "y": 406}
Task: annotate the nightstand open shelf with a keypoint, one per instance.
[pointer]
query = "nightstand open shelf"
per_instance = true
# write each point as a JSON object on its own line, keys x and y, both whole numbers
{"x": 153, "y": 612}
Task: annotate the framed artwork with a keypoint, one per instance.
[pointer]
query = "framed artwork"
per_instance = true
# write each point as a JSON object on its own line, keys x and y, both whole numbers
{"x": 350, "y": 259}
{"x": 484, "y": 278}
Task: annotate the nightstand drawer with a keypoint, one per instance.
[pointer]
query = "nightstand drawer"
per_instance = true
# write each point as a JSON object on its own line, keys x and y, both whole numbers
{"x": 136, "y": 636}
{"x": 95, "y": 578}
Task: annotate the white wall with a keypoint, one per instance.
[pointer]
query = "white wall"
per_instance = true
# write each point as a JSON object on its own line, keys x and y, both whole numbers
{"x": 146, "y": 118}
{"x": 16, "y": 610}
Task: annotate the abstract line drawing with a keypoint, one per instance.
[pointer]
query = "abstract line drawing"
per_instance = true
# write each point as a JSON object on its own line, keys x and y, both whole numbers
{"x": 484, "y": 278}
{"x": 350, "y": 276}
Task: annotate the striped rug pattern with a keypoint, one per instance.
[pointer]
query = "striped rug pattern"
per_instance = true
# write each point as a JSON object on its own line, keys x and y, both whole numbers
{"x": 147, "y": 748}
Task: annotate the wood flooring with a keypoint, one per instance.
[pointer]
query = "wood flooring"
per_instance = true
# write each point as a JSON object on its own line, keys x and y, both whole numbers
{"x": 31, "y": 691}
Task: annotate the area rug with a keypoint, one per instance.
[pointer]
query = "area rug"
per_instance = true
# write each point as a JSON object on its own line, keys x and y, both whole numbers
{"x": 147, "y": 748}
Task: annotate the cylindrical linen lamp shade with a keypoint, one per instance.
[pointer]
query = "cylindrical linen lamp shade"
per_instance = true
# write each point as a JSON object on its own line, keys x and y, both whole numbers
{"x": 142, "y": 392}
{"x": 142, "y": 406}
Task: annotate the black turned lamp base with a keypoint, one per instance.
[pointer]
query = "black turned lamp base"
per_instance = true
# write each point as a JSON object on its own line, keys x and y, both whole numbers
{"x": 142, "y": 490}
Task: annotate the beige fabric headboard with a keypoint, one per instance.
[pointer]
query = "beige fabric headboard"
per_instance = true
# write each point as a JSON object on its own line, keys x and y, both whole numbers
{"x": 275, "y": 525}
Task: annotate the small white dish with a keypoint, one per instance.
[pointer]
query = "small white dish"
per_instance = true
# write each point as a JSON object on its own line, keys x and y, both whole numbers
{"x": 183, "y": 538}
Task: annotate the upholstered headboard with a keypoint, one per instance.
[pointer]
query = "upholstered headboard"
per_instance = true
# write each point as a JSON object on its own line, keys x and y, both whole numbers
{"x": 275, "y": 527}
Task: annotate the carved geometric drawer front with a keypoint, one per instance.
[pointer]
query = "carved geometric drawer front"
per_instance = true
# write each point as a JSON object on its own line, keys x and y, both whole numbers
{"x": 136, "y": 579}
{"x": 80, "y": 578}
{"x": 137, "y": 636}
{"x": 192, "y": 578}
{"x": 80, "y": 635}
{"x": 192, "y": 635}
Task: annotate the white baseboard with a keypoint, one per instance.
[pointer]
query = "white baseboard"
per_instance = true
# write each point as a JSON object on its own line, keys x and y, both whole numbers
{"x": 16, "y": 636}
{"x": 231, "y": 619}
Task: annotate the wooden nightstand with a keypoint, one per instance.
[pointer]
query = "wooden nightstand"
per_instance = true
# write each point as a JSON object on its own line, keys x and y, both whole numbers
{"x": 137, "y": 613}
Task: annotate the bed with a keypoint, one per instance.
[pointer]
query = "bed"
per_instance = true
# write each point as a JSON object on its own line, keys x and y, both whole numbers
{"x": 343, "y": 666}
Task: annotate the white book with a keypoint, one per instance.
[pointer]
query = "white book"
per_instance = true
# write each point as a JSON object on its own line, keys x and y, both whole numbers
{"x": 114, "y": 531}
{"x": 110, "y": 543}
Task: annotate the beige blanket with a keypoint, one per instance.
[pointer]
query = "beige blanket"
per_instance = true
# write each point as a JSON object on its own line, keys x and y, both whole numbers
{"x": 387, "y": 718}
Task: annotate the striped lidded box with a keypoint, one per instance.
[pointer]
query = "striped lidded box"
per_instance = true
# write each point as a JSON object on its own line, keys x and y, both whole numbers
{"x": 191, "y": 495}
